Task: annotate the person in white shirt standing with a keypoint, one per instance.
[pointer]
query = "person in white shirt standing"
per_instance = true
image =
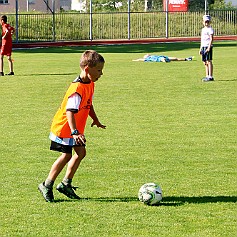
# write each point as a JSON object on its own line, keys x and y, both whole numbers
{"x": 206, "y": 48}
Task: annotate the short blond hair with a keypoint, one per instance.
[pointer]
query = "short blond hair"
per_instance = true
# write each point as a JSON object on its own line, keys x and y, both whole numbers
{"x": 91, "y": 58}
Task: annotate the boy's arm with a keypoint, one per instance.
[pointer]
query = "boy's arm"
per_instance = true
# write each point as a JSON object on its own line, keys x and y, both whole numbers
{"x": 12, "y": 30}
{"x": 139, "y": 59}
{"x": 200, "y": 50}
{"x": 210, "y": 43}
{"x": 79, "y": 138}
{"x": 95, "y": 119}
{"x": 71, "y": 120}
{"x": 6, "y": 32}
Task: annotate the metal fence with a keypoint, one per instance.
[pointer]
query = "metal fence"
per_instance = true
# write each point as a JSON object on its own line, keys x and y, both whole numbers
{"x": 119, "y": 25}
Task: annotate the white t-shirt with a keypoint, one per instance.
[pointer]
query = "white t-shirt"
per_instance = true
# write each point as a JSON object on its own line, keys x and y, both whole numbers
{"x": 73, "y": 102}
{"x": 206, "y": 36}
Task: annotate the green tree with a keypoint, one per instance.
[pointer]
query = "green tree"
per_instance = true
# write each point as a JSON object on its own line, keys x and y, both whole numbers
{"x": 221, "y": 5}
{"x": 194, "y": 5}
{"x": 154, "y": 5}
{"x": 107, "y": 5}
{"x": 122, "y": 5}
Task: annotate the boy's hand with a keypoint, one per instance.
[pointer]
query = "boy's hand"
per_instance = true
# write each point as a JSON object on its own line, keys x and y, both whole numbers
{"x": 98, "y": 124}
{"x": 80, "y": 139}
{"x": 202, "y": 52}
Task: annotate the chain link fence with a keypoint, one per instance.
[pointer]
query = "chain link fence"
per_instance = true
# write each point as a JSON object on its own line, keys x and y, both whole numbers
{"x": 76, "y": 26}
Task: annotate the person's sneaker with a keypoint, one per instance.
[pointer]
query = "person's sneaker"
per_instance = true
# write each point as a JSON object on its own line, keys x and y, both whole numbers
{"x": 67, "y": 190}
{"x": 10, "y": 74}
{"x": 206, "y": 79}
{"x": 46, "y": 192}
{"x": 189, "y": 58}
{"x": 1, "y": 73}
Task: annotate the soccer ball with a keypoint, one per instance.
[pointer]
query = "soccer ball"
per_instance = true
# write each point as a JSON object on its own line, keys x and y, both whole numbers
{"x": 150, "y": 194}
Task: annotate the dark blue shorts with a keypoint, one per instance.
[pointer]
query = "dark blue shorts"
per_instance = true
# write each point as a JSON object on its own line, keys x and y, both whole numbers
{"x": 62, "y": 148}
{"x": 206, "y": 56}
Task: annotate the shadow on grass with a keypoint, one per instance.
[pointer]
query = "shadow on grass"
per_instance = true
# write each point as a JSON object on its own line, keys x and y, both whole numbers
{"x": 227, "y": 80}
{"x": 101, "y": 199}
{"x": 166, "y": 201}
{"x": 120, "y": 48}
{"x": 49, "y": 74}
{"x": 131, "y": 48}
{"x": 175, "y": 201}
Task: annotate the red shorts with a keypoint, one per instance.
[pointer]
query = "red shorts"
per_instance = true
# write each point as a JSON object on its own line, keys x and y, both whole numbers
{"x": 6, "y": 50}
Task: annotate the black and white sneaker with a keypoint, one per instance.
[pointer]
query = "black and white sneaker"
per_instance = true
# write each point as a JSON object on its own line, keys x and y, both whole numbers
{"x": 189, "y": 58}
{"x": 46, "y": 192}
{"x": 10, "y": 74}
{"x": 67, "y": 190}
{"x": 206, "y": 79}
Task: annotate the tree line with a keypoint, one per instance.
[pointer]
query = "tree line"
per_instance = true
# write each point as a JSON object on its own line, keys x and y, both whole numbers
{"x": 154, "y": 5}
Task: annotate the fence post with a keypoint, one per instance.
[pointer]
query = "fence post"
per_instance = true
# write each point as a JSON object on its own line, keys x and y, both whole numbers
{"x": 17, "y": 21}
{"x": 54, "y": 34}
{"x": 167, "y": 20}
{"x": 91, "y": 20}
{"x": 205, "y": 7}
{"x": 129, "y": 19}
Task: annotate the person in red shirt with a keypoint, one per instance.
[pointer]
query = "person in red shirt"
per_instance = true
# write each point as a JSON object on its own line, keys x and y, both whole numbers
{"x": 6, "y": 49}
{"x": 68, "y": 125}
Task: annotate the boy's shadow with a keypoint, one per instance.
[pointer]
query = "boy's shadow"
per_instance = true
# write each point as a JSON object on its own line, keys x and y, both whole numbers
{"x": 49, "y": 74}
{"x": 166, "y": 201}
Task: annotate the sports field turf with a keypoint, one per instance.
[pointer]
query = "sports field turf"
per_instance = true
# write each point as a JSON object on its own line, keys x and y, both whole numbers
{"x": 164, "y": 125}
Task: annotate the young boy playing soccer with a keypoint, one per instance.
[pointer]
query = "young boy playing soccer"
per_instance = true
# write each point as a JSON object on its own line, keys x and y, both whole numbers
{"x": 6, "y": 49}
{"x": 206, "y": 48}
{"x": 67, "y": 129}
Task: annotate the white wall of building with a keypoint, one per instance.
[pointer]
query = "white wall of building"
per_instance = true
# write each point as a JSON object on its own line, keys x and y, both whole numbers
{"x": 78, "y": 5}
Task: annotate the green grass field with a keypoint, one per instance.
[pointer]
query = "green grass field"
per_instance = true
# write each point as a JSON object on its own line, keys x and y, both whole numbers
{"x": 164, "y": 125}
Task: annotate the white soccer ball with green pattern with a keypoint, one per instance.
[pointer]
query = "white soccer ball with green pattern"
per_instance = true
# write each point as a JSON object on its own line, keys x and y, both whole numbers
{"x": 150, "y": 194}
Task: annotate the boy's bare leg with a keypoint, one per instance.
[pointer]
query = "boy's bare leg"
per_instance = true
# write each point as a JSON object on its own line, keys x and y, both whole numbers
{"x": 174, "y": 59}
{"x": 73, "y": 164}
{"x": 210, "y": 68}
{"x": 206, "y": 68}
{"x": 58, "y": 165}
{"x": 46, "y": 188}
{"x": 10, "y": 63}
{"x": 180, "y": 59}
{"x": 65, "y": 186}
{"x": 1, "y": 63}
